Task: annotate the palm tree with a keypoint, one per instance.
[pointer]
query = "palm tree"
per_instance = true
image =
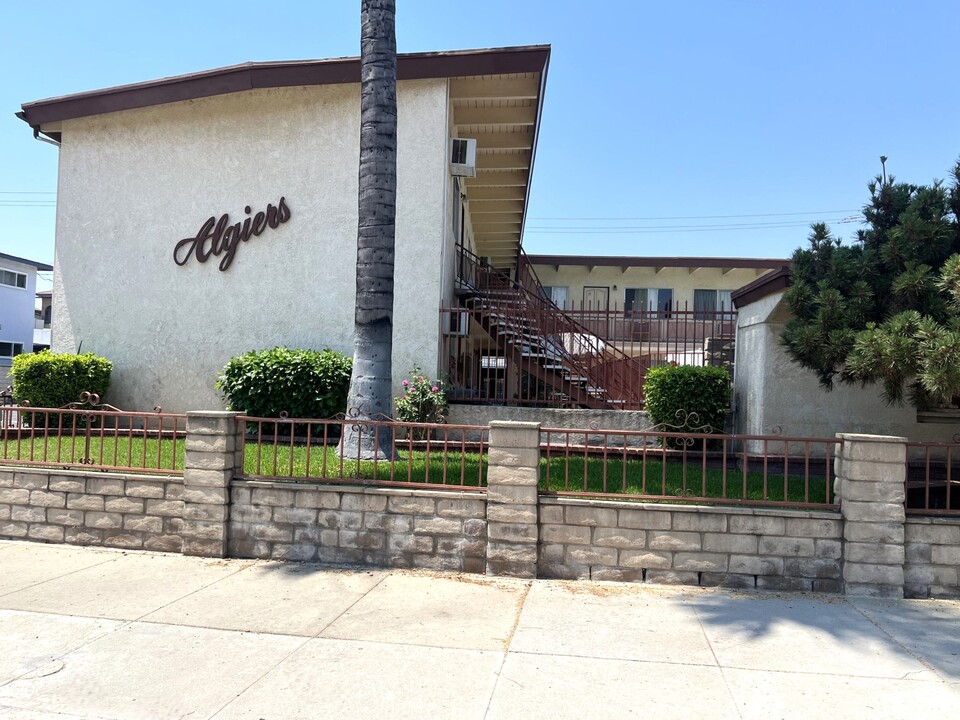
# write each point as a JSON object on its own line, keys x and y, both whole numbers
{"x": 370, "y": 385}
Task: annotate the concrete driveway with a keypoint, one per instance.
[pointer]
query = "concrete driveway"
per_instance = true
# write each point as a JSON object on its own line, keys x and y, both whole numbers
{"x": 90, "y": 633}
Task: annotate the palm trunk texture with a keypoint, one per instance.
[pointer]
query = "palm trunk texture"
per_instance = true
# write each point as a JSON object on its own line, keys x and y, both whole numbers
{"x": 371, "y": 383}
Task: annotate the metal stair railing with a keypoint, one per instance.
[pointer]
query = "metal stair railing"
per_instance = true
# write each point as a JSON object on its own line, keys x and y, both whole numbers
{"x": 590, "y": 370}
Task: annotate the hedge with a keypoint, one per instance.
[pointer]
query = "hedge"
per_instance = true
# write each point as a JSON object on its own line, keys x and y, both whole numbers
{"x": 302, "y": 383}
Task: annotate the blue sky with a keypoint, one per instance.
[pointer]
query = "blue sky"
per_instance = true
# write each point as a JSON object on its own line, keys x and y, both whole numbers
{"x": 680, "y": 128}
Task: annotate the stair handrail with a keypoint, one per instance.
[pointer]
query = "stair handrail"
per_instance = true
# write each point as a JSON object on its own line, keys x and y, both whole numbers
{"x": 617, "y": 384}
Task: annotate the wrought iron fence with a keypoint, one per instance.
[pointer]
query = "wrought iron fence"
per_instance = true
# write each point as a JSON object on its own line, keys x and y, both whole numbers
{"x": 484, "y": 370}
{"x": 660, "y": 465}
{"x": 932, "y": 478}
{"x": 92, "y": 435}
{"x": 411, "y": 454}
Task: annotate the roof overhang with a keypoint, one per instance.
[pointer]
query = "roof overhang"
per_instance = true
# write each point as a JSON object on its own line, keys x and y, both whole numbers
{"x": 496, "y": 96}
{"x": 502, "y": 113}
{"x": 24, "y": 261}
{"x": 762, "y": 287}
{"x": 659, "y": 263}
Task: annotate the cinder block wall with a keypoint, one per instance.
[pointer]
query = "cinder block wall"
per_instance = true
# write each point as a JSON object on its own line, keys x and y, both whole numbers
{"x": 439, "y": 530}
{"x": 691, "y": 545}
{"x": 932, "y": 561}
{"x": 92, "y": 508}
{"x": 868, "y": 547}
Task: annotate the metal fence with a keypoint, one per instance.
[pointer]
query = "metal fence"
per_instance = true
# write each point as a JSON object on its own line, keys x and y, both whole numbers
{"x": 933, "y": 478}
{"x": 483, "y": 369}
{"x": 689, "y": 467}
{"x": 412, "y": 455}
{"x": 102, "y": 439}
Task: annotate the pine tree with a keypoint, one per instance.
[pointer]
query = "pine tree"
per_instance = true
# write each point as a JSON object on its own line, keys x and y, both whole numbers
{"x": 885, "y": 309}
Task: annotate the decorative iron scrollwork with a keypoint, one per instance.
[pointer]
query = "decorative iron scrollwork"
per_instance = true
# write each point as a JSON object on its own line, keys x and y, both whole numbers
{"x": 687, "y": 422}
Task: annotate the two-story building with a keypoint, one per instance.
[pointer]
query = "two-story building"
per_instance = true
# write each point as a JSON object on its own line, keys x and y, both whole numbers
{"x": 205, "y": 215}
{"x": 18, "y": 286}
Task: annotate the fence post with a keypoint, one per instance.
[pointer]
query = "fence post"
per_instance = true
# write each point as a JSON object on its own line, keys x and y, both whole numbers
{"x": 209, "y": 464}
{"x": 512, "y": 518}
{"x": 870, "y": 476}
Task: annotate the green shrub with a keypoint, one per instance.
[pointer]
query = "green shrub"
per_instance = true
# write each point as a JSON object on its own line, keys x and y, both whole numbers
{"x": 694, "y": 397}
{"x": 52, "y": 380}
{"x": 302, "y": 383}
{"x": 423, "y": 400}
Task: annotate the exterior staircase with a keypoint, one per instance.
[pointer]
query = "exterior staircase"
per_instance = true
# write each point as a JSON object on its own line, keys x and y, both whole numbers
{"x": 575, "y": 366}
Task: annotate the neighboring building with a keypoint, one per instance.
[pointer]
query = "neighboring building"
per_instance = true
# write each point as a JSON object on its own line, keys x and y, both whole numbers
{"x": 42, "y": 320}
{"x": 581, "y": 331}
{"x": 159, "y": 177}
{"x": 598, "y": 283}
{"x": 773, "y": 394}
{"x": 18, "y": 285}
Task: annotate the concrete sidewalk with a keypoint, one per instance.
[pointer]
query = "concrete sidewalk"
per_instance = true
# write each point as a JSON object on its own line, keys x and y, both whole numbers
{"x": 90, "y": 633}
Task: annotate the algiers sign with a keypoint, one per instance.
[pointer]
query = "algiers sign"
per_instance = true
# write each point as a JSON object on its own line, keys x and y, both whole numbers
{"x": 219, "y": 238}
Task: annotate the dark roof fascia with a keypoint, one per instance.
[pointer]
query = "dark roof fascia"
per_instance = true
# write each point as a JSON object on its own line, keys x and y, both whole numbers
{"x": 762, "y": 287}
{"x": 686, "y": 262}
{"x": 24, "y": 261}
{"x": 253, "y": 75}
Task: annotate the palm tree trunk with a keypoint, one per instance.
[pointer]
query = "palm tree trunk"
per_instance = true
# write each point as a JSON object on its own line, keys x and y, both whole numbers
{"x": 370, "y": 385}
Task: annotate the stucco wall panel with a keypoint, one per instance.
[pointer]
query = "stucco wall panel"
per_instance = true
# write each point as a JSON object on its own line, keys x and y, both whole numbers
{"x": 133, "y": 183}
{"x": 772, "y": 391}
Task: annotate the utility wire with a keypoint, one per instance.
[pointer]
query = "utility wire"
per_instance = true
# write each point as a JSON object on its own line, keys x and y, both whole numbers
{"x": 700, "y": 217}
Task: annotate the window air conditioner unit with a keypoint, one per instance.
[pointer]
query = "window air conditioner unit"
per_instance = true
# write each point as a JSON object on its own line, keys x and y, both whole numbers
{"x": 463, "y": 157}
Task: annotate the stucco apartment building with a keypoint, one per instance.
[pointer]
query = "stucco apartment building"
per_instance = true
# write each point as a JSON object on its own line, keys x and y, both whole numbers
{"x": 18, "y": 285}
{"x": 205, "y": 215}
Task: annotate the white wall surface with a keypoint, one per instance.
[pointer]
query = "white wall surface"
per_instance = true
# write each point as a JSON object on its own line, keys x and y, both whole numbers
{"x": 133, "y": 183}
{"x": 772, "y": 391}
{"x": 16, "y": 312}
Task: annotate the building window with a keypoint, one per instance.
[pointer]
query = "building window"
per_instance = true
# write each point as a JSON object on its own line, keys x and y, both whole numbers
{"x": 658, "y": 300}
{"x": 559, "y": 295}
{"x": 12, "y": 278}
{"x": 46, "y": 316}
{"x": 707, "y": 302}
{"x": 10, "y": 349}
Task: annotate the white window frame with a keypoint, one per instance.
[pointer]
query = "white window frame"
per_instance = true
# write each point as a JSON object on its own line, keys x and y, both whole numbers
{"x": 13, "y": 348}
{"x": 721, "y": 298}
{"x": 559, "y": 295}
{"x": 651, "y": 299}
{"x": 15, "y": 273}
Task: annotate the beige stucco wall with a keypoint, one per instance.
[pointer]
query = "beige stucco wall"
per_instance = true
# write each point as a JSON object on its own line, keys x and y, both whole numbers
{"x": 133, "y": 183}
{"x": 772, "y": 391}
{"x": 683, "y": 282}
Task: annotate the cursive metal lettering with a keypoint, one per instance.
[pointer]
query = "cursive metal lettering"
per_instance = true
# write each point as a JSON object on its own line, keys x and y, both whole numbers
{"x": 218, "y": 237}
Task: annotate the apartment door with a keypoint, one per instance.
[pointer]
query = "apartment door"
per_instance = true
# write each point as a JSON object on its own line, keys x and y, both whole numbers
{"x": 596, "y": 298}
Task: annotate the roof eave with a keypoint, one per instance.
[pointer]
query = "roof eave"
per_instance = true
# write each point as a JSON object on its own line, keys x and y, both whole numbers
{"x": 248, "y": 76}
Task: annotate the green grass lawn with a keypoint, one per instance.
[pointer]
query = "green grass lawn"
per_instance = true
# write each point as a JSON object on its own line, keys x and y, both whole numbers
{"x": 149, "y": 454}
{"x": 593, "y": 475}
{"x": 674, "y": 480}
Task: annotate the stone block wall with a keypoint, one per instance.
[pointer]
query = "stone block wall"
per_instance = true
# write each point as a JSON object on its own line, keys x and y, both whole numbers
{"x": 691, "y": 545}
{"x": 386, "y": 527}
{"x": 932, "y": 564}
{"x": 868, "y": 547}
{"x": 91, "y": 508}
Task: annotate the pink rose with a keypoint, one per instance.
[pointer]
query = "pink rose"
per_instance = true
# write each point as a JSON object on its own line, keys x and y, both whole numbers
{"x": 434, "y": 388}
{"x": 405, "y": 383}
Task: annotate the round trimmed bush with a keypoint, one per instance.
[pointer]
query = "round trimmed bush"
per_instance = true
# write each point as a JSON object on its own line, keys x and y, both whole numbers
{"x": 302, "y": 383}
{"x": 52, "y": 380}
{"x": 698, "y": 396}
